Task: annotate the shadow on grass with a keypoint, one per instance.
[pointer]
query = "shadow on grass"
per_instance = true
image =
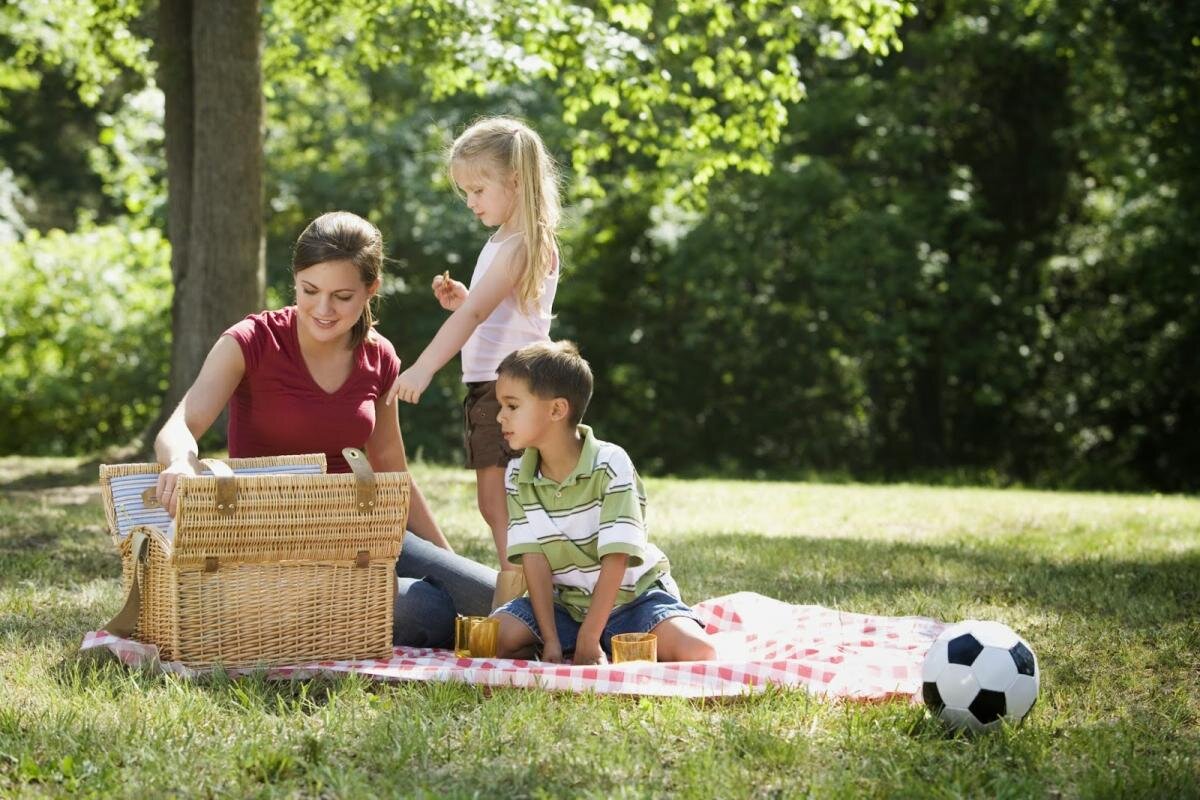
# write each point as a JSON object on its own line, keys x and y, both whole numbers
{"x": 892, "y": 577}
{"x": 96, "y": 669}
{"x": 86, "y": 473}
{"x": 43, "y": 546}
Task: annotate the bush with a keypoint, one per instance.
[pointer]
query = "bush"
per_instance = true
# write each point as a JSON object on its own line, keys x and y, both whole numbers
{"x": 84, "y": 337}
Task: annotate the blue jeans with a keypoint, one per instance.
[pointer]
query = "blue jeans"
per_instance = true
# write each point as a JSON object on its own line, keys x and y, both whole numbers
{"x": 432, "y": 585}
{"x": 640, "y": 615}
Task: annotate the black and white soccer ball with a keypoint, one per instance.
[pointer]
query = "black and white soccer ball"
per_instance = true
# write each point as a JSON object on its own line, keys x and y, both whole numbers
{"x": 979, "y": 673}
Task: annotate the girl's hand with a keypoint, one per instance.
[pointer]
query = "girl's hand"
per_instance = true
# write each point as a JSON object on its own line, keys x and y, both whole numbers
{"x": 409, "y": 386}
{"x": 167, "y": 480}
{"x": 449, "y": 292}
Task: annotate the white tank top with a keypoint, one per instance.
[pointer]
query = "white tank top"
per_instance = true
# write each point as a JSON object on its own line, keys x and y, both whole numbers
{"x": 507, "y": 328}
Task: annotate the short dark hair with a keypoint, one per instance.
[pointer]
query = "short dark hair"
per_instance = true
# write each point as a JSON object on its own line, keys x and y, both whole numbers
{"x": 342, "y": 236}
{"x": 553, "y": 369}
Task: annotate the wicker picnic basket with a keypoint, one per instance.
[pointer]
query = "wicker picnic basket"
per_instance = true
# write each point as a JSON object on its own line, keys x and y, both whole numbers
{"x": 268, "y": 560}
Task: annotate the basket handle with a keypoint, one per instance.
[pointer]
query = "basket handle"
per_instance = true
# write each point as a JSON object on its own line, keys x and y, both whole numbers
{"x": 364, "y": 476}
{"x": 125, "y": 622}
{"x": 226, "y": 485}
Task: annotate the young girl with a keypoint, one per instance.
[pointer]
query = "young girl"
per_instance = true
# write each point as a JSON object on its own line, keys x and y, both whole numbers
{"x": 508, "y": 180}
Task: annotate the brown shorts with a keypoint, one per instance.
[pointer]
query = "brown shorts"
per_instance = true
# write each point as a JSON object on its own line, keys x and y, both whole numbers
{"x": 481, "y": 432}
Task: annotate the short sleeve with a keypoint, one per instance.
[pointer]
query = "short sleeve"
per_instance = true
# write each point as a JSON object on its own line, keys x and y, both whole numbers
{"x": 622, "y": 525}
{"x": 522, "y": 538}
{"x": 389, "y": 363}
{"x": 251, "y": 334}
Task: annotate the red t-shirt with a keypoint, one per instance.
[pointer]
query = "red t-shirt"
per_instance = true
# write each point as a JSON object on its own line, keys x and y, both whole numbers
{"x": 278, "y": 409}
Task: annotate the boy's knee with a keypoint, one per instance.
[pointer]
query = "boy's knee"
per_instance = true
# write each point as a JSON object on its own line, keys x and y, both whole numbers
{"x": 514, "y": 639}
{"x": 700, "y": 650}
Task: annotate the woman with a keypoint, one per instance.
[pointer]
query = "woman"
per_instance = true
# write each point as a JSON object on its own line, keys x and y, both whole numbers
{"x": 311, "y": 378}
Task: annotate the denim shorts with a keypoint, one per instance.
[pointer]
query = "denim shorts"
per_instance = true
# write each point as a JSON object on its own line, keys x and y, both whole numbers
{"x": 640, "y": 615}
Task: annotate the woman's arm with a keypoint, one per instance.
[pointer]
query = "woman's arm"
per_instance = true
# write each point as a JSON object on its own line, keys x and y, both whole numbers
{"x": 385, "y": 451}
{"x": 175, "y": 446}
{"x": 455, "y": 331}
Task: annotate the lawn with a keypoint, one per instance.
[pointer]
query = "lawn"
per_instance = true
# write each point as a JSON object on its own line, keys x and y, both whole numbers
{"x": 1106, "y": 588}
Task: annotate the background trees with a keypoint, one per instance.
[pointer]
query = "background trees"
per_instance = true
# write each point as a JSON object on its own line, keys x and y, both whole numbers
{"x": 974, "y": 255}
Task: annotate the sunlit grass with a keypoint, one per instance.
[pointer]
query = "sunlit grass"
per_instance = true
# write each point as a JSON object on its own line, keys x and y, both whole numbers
{"x": 1105, "y": 587}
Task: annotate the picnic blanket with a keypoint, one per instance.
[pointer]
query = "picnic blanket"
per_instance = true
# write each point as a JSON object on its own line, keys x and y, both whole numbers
{"x": 760, "y": 642}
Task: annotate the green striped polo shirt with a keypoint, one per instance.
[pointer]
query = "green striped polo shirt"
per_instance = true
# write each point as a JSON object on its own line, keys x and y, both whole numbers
{"x": 598, "y": 509}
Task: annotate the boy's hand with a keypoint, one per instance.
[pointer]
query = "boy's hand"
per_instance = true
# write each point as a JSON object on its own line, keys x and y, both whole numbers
{"x": 588, "y": 651}
{"x": 552, "y": 652}
{"x": 409, "y": 386}
{"x": 449, "y": 292}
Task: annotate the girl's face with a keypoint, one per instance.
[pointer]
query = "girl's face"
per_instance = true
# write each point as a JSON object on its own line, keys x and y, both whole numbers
{"x": 329, "y": 299}
{"x": 491, "y": 199}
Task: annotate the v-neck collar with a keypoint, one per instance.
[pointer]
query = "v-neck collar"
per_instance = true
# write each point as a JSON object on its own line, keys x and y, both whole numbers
{"x": 355, "y": 364}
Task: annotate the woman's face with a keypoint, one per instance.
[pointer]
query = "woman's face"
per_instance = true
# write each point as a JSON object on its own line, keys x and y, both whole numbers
{"x": 329, "y": 299}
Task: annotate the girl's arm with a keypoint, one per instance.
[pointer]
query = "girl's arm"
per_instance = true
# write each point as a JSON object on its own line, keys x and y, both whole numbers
{"x": 455, "y": 331}
{"x": 175, "y": 446}
{"x": 385, "y": 451}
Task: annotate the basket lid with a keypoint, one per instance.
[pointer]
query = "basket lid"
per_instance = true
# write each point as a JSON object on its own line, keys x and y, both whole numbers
{"x": 230, "y": 517}
{"x": 127, "y": 490}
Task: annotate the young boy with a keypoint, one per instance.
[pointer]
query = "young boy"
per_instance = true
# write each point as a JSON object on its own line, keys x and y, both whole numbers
{"x": 575, "y": 507}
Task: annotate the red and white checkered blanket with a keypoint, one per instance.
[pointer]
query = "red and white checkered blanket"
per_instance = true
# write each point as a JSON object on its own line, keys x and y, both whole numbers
{"x": 760, "y": 642}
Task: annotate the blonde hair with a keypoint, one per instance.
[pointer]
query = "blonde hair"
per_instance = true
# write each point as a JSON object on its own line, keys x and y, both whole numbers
{"x": 503, "y": 146}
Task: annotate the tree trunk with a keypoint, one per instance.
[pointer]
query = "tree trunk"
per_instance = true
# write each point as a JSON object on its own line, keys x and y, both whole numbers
{"x": 210, "y": 69}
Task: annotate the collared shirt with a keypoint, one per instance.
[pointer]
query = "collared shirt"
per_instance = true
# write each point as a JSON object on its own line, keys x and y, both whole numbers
{"x": 597, "y": 509}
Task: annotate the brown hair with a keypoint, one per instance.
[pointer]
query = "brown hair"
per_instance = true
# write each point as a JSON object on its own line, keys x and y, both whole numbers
{"x": 552, "y": 369}
{"x": 500, "y": 147}
{"x": 342, "y": 236}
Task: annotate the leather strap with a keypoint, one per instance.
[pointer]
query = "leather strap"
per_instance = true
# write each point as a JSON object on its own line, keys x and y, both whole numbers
{"x": 365, "y": 478}
{"x": 125, "y": 622}
{"x": 226, "y": 486}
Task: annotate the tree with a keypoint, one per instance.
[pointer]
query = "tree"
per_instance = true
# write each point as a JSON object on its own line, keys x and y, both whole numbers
{"x": 210, "y": 69}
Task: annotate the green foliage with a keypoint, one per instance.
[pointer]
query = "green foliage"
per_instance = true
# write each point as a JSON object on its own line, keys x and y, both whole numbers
{"x": 692, "y": 89}
{"x": 76, "y": 130}
{"x": 84, "y": 336}
{"x": 91, "y": 39}
{"x": 792, "y": 244}
{"x": 930, "y": 278}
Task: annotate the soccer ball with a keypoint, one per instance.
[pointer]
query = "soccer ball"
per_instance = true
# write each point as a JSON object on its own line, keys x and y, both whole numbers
{"x": 979, "y": 673}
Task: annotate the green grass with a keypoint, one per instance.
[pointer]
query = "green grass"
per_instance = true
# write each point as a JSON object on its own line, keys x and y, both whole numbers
{"x": 1105, "y": 587}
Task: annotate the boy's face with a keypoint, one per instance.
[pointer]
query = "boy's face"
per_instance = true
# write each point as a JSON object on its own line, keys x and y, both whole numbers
{"x": 526, "y": 419}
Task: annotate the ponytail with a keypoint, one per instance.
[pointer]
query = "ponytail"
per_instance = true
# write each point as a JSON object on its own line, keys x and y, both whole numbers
{"x": 503, "y": 146}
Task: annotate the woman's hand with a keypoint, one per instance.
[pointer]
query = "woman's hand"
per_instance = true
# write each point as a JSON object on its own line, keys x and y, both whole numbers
{"x": 168, "y": 480}
{"x": 449, "y": 293}
{"x": 409, "y": 386}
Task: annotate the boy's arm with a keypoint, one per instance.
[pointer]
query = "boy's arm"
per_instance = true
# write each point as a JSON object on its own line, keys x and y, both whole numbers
{"x": 541, "y": 597}
{"x": 587, "y": 647}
